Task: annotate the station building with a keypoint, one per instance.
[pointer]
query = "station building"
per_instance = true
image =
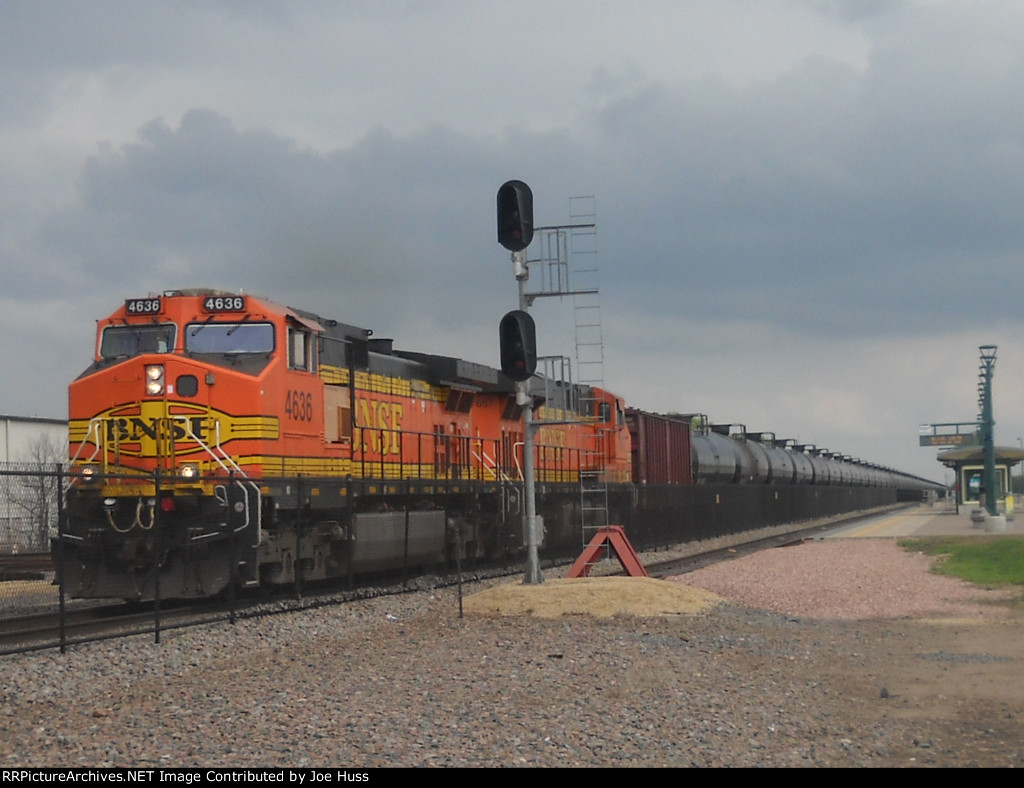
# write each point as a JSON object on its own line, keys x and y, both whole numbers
{"x": 969, "y": 466}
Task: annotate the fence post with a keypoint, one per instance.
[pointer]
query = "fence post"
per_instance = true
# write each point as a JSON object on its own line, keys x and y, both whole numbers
{"x": 158, "y": 542}
{"x": 232, "y": 557}
{"x": 300, "y": 524}
{"x": 59, "y": 563}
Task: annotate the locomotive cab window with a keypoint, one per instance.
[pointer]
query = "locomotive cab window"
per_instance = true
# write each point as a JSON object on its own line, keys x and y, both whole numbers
{"x": 300, "y": 350}
{"x": 229, "y": 338}
{"x": 133, "y": 340}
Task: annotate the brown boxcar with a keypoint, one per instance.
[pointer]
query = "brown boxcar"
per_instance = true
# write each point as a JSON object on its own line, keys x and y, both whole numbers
{"x": 661, "y": 448}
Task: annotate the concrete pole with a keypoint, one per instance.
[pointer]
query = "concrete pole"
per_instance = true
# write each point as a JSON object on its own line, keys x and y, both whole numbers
{"x": 533, "y": 574}
{"x": 531, "y": 534}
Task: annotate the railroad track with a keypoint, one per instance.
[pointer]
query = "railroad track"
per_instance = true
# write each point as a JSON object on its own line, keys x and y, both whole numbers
{"x": 40, "y": 630}
{"x": 24, "y": 566}
{"x": 85, "y": 620}
{"x": 689, "y": 563}
{"x": 88, "y": 621}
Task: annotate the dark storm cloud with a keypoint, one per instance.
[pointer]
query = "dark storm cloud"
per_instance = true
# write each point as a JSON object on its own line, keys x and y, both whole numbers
{"x": 784, "y": 186}
{"x": 207, "y": 204}
{"x": 794, "y": 190}
{"x": 830, "y": 197}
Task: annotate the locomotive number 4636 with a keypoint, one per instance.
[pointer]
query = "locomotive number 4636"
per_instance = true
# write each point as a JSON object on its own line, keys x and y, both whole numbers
{"x": 224, "y": 304}
{"x": 299, "y": 405}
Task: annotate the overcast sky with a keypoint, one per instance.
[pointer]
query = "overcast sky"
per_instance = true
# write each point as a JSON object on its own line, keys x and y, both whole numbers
{"x": 809, "y": 211}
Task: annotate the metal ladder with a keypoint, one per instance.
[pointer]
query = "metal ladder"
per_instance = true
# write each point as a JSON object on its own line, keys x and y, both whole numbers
{"x": 584, "y": 270}
{"x": 566, "y": 266}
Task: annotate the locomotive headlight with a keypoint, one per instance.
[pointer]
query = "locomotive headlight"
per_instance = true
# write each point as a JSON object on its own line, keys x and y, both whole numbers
{"x": 188, "y": 471}
{"x": 154, "y": 380}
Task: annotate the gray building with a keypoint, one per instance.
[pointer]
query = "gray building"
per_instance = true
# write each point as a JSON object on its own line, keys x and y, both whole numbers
{"x": 29, "y": 439}
{"x": 31, "y": 448}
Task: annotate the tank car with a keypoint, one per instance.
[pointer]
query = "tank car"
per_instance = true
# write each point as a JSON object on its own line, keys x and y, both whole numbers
{"x": 820, "y": 473}
{"x": 754, "y": 465}
{"x": 729, "y": 454}
{"x": 715, "y": 457}
{"x": 220, "y": 439}
{"x": 803, "y": 470}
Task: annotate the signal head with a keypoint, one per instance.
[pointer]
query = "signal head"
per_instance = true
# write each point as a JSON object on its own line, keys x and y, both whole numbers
{"x": 518, "y": 336}
{"x": 515, "y": 215}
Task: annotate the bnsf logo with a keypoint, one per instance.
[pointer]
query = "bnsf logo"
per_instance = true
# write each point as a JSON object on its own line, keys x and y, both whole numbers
{"x": 135, "y": 429}
{"x": 146, "y": 430}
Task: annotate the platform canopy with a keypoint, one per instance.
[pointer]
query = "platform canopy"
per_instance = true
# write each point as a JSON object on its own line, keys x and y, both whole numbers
{"x": 1005, "y": 455}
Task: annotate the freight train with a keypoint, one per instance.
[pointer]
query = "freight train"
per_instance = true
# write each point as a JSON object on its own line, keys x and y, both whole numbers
{"x": 221, "y": 440}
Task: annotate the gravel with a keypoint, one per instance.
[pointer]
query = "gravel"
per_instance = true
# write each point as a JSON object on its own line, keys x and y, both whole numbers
{"x": 813, "y": 662}
{"x": 846, "y": 579}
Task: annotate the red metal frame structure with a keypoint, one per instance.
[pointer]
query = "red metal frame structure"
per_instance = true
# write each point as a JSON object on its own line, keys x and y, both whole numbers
{"x": 615, "y": 537}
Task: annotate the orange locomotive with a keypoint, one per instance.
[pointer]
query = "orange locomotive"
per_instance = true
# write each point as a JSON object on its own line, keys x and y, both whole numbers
{"x": 222, "y": 438}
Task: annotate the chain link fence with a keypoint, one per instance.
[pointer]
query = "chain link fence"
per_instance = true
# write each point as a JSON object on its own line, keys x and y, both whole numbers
{"x": 144, "y": 561}
{"x": 32, "y": 510}
{"x": 30, "y": 503}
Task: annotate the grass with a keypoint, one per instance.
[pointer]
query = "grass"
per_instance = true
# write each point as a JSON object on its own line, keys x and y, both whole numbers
{"x": 986, "y": 561}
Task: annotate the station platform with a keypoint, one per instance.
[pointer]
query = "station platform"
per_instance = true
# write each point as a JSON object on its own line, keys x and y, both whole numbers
{"x": 938, "y": 519}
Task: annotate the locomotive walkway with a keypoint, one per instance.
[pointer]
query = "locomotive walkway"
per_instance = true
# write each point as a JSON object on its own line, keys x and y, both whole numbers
{"x": 937, "y": 520}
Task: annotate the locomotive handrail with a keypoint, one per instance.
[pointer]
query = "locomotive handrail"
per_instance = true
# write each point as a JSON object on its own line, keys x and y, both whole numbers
{"x": 94, "y": 426}
{"x": 190, "y": 433}
{"x": 455, "y": 456}
{"x": 488, "y": 463}
{"x": 94, "y": 434}
{"x": 481, "y": 461}
{"x": 515, "y": 457}
{"x": 235, "y": 468}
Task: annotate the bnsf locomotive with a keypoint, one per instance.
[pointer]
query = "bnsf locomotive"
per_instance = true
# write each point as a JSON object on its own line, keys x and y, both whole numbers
{"x": 224, "y": 440}
{"x": 219, "y": 438}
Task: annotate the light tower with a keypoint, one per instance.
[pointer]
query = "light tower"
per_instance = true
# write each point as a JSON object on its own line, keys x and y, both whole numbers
{"x": 987, "y": 424}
